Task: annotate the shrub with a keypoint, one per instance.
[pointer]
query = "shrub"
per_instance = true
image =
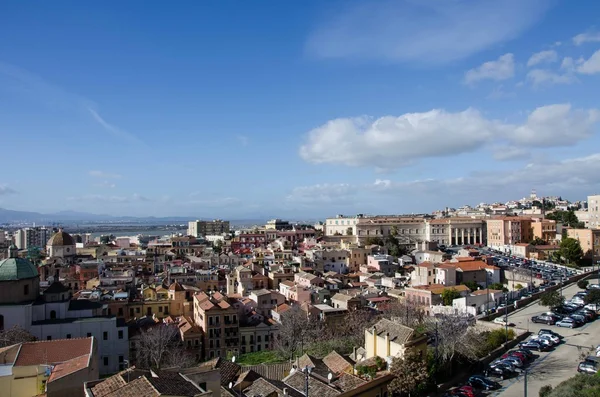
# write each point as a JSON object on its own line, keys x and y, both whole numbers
{"x": 545, "y": 390}
{"x": 582, "y": 284}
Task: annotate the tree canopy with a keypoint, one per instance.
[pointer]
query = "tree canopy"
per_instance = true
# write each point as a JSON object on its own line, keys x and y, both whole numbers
{"x": 410, "y": 372}
{"x": 593, "y": 296}
{"x": 578, "y": 386}
{"x": 565, "y": 217}
{"x": 448, "y": 295}
{"x": 473, "y": 286}
{"x": 538, "y": 241}
{"x": 570, "y": 250}
{"x": 551, "y": 299}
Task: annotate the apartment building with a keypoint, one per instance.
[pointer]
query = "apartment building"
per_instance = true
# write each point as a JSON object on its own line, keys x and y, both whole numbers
{"x": 207, "y": 228}
{"x": 544, "y": 229}
{"x": 509, "y": 230}
{"x": 428, "y": 273}
{"x": 32, "y": 237}
{"x": 218, "y": 318}
{"x": 589, "y": 239}
{"x": 594, "y": 211}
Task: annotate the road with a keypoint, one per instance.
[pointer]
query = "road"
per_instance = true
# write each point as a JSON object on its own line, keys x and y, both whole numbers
{"x": 551, "y": 368}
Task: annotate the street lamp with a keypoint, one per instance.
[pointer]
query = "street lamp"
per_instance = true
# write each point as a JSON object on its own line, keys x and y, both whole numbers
{"x": 506, "y": 315}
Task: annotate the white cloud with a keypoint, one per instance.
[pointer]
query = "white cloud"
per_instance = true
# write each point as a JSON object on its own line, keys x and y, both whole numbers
{"x": 6, "y": 190}
{"x": 501, "y": 69}
{"x": 115, "y": 131}
{"x": 106, "y": 184}
{"x": 571, "y": 175}
{"x": 391, "y": 142}
{"x": 590, "y": 66}
{"x": 420, "y": 31}
{"x": 539, "y": 77}
{"x": 547, "y": 56}
{"x": 326, "y": 193}
{"x": 586, "y": 38}
{"x": 506, "y": 153}
{"x": 102, "y": 174}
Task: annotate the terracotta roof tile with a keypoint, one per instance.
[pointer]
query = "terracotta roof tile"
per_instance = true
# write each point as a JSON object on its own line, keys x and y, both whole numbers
{"x": 336, "y": 362}
{"x": 53, "y": 351}
{"x": 69, "y": 367}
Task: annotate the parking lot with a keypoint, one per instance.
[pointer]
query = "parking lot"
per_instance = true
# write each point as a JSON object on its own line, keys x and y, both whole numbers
{"x": 556, "y": 365}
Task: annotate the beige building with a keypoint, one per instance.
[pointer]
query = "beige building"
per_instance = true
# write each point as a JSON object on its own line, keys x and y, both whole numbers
{"x": 57, "y": 368}
{"x": 544, "y": 229}
{"x": 218, "y": 318}
{"x": 589, "y": 239}
{"x": 391, "y": 339}
{"x": 594, "y": 211}
{"x": 341, "y": 225}
{"x": 456, "y": 231}
{"x": 508, "y": 230}
{"x": 408, "y": 229}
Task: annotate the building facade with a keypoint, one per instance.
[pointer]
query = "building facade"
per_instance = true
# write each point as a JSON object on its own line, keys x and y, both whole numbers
{"x": 206, "y": 228}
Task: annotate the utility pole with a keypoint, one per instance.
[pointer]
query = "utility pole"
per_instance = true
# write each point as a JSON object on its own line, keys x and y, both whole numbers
{"x": 525, "y": 383}
{"x": 436, "y": 355}
{"x": 506, "y": 315}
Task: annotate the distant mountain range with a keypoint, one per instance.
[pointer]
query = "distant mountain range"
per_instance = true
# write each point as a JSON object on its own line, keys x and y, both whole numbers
{"x": 12, "y": 217}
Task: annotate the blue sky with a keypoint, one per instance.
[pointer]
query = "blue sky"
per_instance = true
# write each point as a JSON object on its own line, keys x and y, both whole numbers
{"x": 296, "y": 109}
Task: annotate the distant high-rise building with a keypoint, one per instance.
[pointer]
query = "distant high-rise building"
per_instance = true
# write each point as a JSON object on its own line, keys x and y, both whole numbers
{"x": 207, "y": 228}
{"x": 32, "y": 237}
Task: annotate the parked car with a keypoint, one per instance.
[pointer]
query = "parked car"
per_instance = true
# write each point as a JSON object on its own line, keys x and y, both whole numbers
{"x": 517, "y": 354}
{"x": 483, "y": 383}
{"x": 589, "y": 365}
{"x": 500, "y": 320}
{"x": 549, "y": 331}
{"x": 543, "y": 319}
{"x": 499, "y": 371}
{"x": 513, "y": 360}
{"x": 546, "y": 337}
{"x": 581, "y": 320}
{"x": 592, "y": 306}
{"x": 533, "y": 345}
{"x": 567, "y": 322}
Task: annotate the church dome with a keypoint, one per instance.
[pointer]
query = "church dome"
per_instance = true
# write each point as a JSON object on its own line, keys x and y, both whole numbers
{"x": 61, "y": 239}
{"x": 13, "y": 269}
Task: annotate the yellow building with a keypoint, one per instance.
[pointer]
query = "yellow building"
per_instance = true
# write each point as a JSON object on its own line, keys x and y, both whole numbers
{"x": 391, "y": 339}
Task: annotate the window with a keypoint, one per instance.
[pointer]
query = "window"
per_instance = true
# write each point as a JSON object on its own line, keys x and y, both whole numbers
{"x": 105, "y": 335}
{"x": 120, "y": 334}
{"x": 121, "y": 311}
{"x": 52, "y": 314}
{"x": 89, "y": 334}
{"x": 1, "y": 322}
{"x": 105, "y": 361}
{"x": 48, "y": 337}
{"x": 267, "y": 336}
{"x": 26, "y": 289}
{"x": 121, "y": 359}
{"x": 137, "y": 310}
{"x": 68, "y": 336}
{"x": 131, "y": 312}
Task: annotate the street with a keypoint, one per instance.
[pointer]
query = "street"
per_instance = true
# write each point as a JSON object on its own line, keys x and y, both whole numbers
{"x": 557, "y": 365}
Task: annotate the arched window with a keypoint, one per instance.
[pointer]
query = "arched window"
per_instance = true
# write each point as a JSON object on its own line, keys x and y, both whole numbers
{"x": 1, "y": 322}
{"x": 52, "y": 314}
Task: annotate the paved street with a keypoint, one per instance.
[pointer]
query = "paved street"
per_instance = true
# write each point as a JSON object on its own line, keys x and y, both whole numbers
{"x": 555, "y": 366}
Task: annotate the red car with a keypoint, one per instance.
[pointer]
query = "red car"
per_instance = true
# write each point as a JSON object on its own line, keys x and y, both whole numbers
{"x": 521, "y": 356}
{"x": 467, "y": 391}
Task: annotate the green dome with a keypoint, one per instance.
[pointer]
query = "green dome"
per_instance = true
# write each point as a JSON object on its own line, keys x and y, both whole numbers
{"x": 12, "y": 269}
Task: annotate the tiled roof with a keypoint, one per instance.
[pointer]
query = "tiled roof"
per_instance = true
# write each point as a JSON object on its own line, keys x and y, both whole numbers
{"x": 176, "y": 287}
{"x": 288, "y": 283}
{"x": 53, "y": 351}
{"x": 336, "y": 362}
{"x": 229, "y": 371}
{"x": 485, "y": 291}
{"x": 8, "y": 354}
{"x": 138, "y": 387}
{"x": 262, "y": 387}
{"x": 397, "y": 332}
{"x": 296, "y": 380}
{"x": 173, "y": 384}
{"x": 68, "y": 367}
{"x": 347, "y": 382}
{"x": 110, "y": 384}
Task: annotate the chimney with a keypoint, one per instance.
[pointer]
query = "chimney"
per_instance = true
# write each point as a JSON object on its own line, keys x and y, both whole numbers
{"x": 285, "y": 392}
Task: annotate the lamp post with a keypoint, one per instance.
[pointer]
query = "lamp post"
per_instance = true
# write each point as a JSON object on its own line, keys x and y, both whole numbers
{"x": 306, "y": 371}
{"x": 506, "y": 315}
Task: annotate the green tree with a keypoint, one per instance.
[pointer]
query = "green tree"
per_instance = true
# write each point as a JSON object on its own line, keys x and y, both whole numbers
{"x": 519, "y": 287}
{"x": 582, "y": 284}
{"x": 545, "y": 390}
{"x": 448, "y": 295}
{"x": 410, "y": 372}
{"x": 374, "y": 241}
{"x": 472, "y": 285}
{"x": 392, "y": 244}
{"x": 497, "y": 286}
{"x": 592, "y": 297}
{"x": 218, "y": 246}
{"x": 570, "y": 250}
{"x": 565, "y": 217}
{"x": 349, "y": 231}
{"x": 538, "y": 241}
{"x": 551, "y": 299}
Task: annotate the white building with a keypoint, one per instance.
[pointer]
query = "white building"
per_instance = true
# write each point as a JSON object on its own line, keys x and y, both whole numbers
{"x": 341, "y": 225}
{"x": 32, "y": 237}
{"x": 56, "y": 316}
{"x": 594, "y": 211}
